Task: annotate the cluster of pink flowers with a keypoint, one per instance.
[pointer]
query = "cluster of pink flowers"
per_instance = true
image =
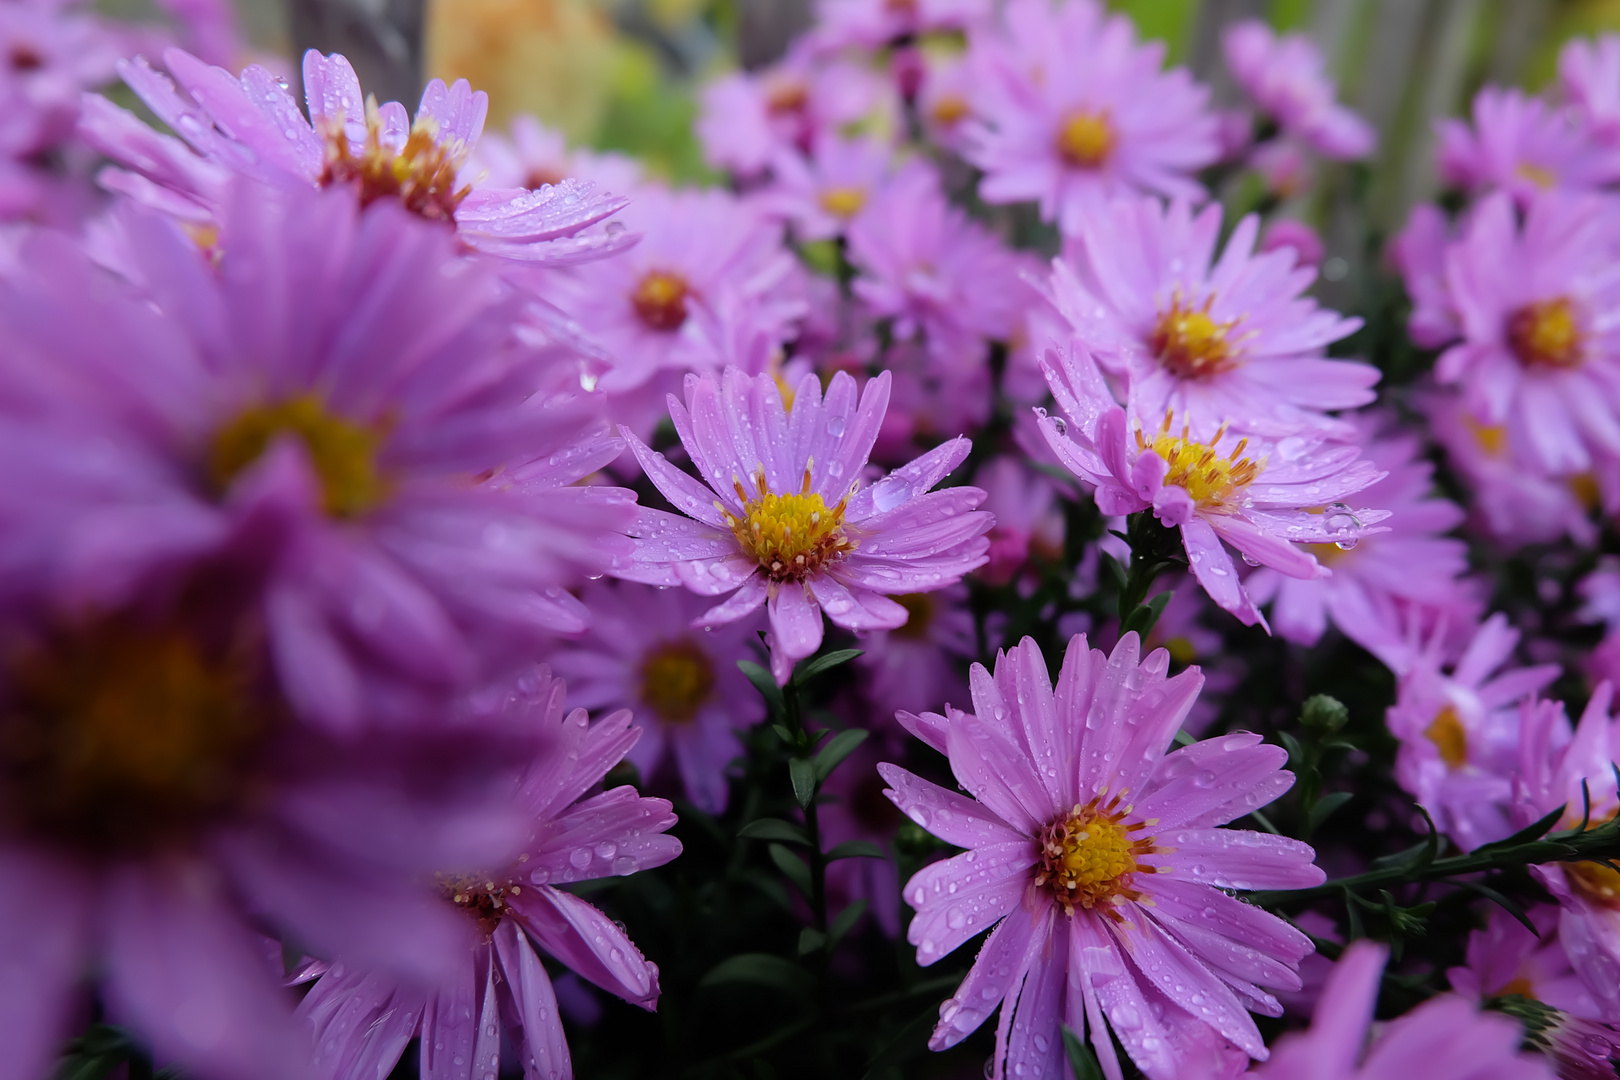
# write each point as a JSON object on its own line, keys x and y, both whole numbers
{"x": 356, "y": 459}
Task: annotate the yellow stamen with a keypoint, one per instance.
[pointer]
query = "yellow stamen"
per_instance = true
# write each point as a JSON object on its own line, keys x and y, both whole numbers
{"x": 1086, "y": 139}
{"x": 343, "y": 453}
{"x": 843, "y": 202}
{"x": 1449, "y": 737}
{"x": 791, "y": 536}
{"x": 1198, "y": 468}
{"x": 421, "y": 174}
{"x": 1191, "y": 344}
{"x": 949, "y": 110}
{"x": 1088, "y": 856}
{"x": 676, "y": 678}
{"x": 1546, "y": 333}
{"x": 660, "y": 300}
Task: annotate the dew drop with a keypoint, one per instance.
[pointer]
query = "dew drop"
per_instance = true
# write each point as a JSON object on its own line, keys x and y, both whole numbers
{"x": 580, "y": 858}
{"x": 835, "y": 427}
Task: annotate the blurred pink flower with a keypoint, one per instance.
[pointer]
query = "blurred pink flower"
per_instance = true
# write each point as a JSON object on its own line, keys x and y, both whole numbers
{"x": 1284, "y": 77}
{"x": 1506, "y": 958}
{"x": 534, "y": 155}
{"x": 1524, "y": 146}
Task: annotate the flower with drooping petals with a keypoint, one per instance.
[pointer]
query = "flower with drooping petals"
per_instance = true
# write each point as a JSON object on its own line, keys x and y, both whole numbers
{"x": 1381, "y": 580}
{"x": 939, "y": 275}
{"x": 1071, "y": 135}
{"x": 1226, "y": 340}
{"x": 253, "y": 127}
{"x": 1506, "y": 958}
{"x": 403, "y": 464}
{"x": 1266, "y": 499}
{"x": 1097, "y": 858}
{"x": 1284, "y": 76}
{"x": 1524, "y": 146}
{"x": 1445, "y": 1038}
{"x": 535, "y": 156}
{"x": 684, "y": 686}
{"x": 1536, "y": 306}
{"x": 1577, "y": 772}
{"x": 362, "y": 1021}
{"x": 782, "y": 515}
{"x": 1460, "y": 730}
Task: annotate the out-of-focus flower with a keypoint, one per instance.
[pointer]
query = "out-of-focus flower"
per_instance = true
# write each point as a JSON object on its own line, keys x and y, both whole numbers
{"x": 934, "y": 397}
{"x": 1459, "y": 730}
{"x": 781, "y": 515}
{"x": 1589, "y": 76}
{"x": 1069, "y": 136}
{"x": 1218, "y": 341}
{"x": 1523, "y": 146}
{"x": 1266, "y": 499}
{"x": 746, "y": 119}
{"x": 874, "y": 24}
{"x": 340, "y": 392}
{"x": 939, "y": 275}
{"x": 1376, "y": 584}
{"x": 916, "y": 664}
{"x": 1028, "y": 521}
{"x": 1181, "y": 631}
{"x": 822, "y": 192}
{"x": 1076, "y": 821}
{"x": 1298, "y": 237}
{"x": 1284, "y": 76}
{"x": 1580, "y": 1049}
{"x": 688, "y": 695}
{"x": 535, "y": 156}
{"x": 1506, "y": 958}
{"x": 1445, "y": 1038}
{"x": 252, "y": 127}
{"x": 656, "y": 308}
{"x": 1511, "y": 503}
{"x": 1577, "y": 772}
{"x": 362, "y": 1021}
{"x": 51, "y": 52}
{"x": 1418, "y": 253}
{"x": 1540, "y": 348}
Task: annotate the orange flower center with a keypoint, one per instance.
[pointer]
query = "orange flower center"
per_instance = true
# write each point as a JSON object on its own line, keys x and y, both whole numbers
{"x": 421, "y": 174}
{"x": 790, "y": 536}
{"x": 1546, "y": 334}
{"x": 343, "y": 453}
{"x": 1086, "y": 139}
{"x": 677, "y": 678}
{"x": 1191, "y": 344}
{"x": 1449, "y": 737}
{"x": 660, "y": 300}
{"x": 843, "y": 202}
{"x": 1088, "y": 856}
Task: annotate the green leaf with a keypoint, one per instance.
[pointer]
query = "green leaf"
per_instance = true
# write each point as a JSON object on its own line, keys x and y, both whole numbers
{"x": 810, "y": 939}
{"x": 844, "y": 922}
{"x": 761, "y": 969}
{"x": 856, "y": 849}
{"x": 1527, "y": 834}
{"x": 1324, "y": 808}
{"x": 774, "y": 829}
{"x": 804, "y": 780}
{"x": 785, "y": 733}
{"x": 809, "y": 669}
{"x": 1082, "y": 1062}
{"x": 909, "y": 1043}
{"x": 1296, "y": 753}
{"x": 1509, "y": 906}
{"x": 765, "y": 683}
{"x": 836, "y": 750}
{"x": 792, "y": 868}
{"x": 1146, "y": 615}
{"x": 1184, "y": 738}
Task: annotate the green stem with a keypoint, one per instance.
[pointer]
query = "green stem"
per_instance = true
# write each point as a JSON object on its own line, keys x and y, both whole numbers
{"x": 1418, "y": 864}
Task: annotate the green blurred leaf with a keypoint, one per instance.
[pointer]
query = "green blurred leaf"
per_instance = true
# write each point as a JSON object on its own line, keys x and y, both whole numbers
{"x": 842, "y": 745}
{"x": 803, "y": 774}
{"x": 856, "y": 849}
{"x": 761, "y": 969}
{"x": 774, "y": 829}
{"x": 765, "y": 683}
{"x": 1082, "y": 1062}
{"x": 792, "y": 868}
{"x": 810, "y": 939}
{"x": 845, "y": 920}
{"x": 811, "y": 668}
{"x": 1324, "y": 808}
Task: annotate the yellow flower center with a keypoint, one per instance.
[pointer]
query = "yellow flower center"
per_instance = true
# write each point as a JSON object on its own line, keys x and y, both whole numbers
{"x": 421, "y": 174}
{"x": 676, "y": 678}
{"x": 843, "y": 202}
{"x": 1491, "y": 438}
{"x": 1190, "y": 344}
{"x": 343, "y": 453}
{"x": 791, "y": 536}
{"x": 786, "y": 94}
{"x": 1200, "y": 469}
{"x": 1086, "y": 139}
{"x": 1088, "y": 856}
{"x": 949, "y": 110}
{"x": 1181, "y": 650}
{"x": 122, "y": 736}
{"x": 1539, "y": 175}
{"x": 660, "y": 300}
{"x": 1546, "y": 334}
{"x": 1449, "y": 737}
{"x": 920, "y": 611}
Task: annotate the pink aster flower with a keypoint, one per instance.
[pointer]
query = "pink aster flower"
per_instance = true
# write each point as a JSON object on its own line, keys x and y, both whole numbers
{"x": 874, "y": 24}
{"x": 821, "y": 193}
{"x": 1411, "y": 568}
{"x": 402, "y": 466}
{"x": 1445, "y": 1038}
{"x": 934, "y": 396}
{"x": 1284, "y": 77}
{"x": 1418, "y": 253}
{"x": 919, "y": 662}
{"x": 1540, "y": 348}
{"x": 939, "y": 275}
{"x": 684, "y": 686}
{"x": 1068, "y": 135}
{"x": 535, "y": 156}
{"x": 1097, "y": 858}
{"x": 1264, "y": 498}
{"x": 1554, "y": 768}
{"x": 1506, "y": 958}
{"x": 1589, "y": 78}
{"x": 655, "y": 308}
{"x": 252, "y": 126}
{"x": 1304, "y": 241}
{"x": 1522, "y": 145}
{"x": 781, "y": 514}
{"x": 1028, "y": 521}
{"x": 361, "y": 1020}
{"x": 50, "y": 54}
{"x": 1460, "y": 729}
{"x": 1228, "y": 340}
